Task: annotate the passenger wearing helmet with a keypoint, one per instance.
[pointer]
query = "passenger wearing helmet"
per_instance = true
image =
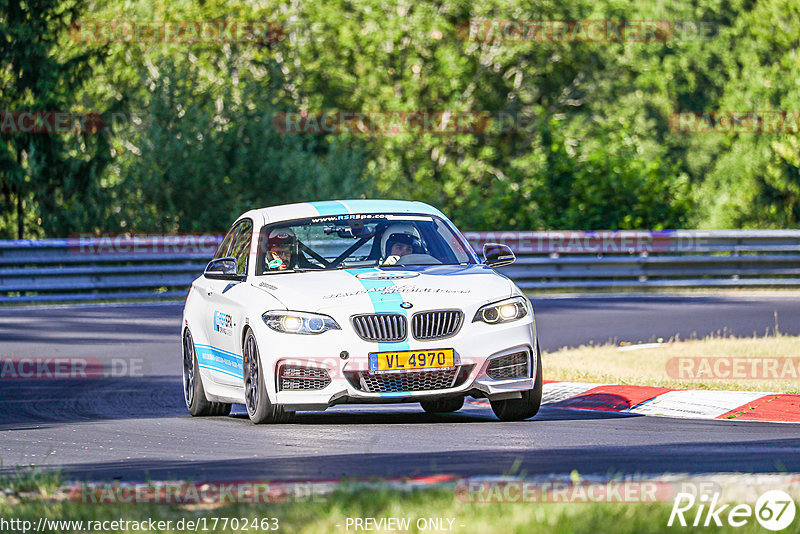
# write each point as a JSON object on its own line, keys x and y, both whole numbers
{"x": 281, "y": 249}
{"x": 400, "y": 240}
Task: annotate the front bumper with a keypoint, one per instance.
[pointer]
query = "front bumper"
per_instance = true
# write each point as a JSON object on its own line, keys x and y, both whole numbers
{"x": 475, "y": 346}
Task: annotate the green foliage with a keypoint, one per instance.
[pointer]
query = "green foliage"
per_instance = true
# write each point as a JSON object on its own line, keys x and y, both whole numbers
{"x": 193, "y": 162}
{"x": 579, "y": 136}
{"x": 46, "y": 181}
{"x": 752, "y": 180}
{"x": 478, "y": 511}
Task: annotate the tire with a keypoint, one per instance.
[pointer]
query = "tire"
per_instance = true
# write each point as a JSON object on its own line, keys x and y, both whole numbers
{"x": 443, "y": 405}
{"x": 257, "y": 402}
{"x": 528, "y": 405}
{"x": 193, "y": 393}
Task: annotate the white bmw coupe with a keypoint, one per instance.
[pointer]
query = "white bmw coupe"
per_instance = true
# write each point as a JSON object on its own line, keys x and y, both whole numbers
{"x": 312, "y": 305}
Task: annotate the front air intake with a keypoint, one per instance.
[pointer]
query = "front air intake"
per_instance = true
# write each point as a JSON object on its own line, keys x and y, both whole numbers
{"x": 510, "y": 366}
{"x": 436, "y": 324}
{"x": 382, "y": 327}
{"x": 298, "y": 378}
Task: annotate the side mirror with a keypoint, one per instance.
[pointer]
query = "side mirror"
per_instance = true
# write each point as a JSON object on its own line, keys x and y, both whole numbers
{"x": 223, "y": 269}
{"x": 497, "y": 255}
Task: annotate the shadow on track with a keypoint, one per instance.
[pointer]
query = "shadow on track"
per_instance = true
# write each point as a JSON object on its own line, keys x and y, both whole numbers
{"x": 26, "y": 404}
{"x": 690, "y": 458}
{"x": 89, "y": 325}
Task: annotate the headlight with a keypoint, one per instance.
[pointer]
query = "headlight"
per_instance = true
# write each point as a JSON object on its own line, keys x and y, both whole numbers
{"x": 503, "y": 312}
{"x": 291, "y": 322}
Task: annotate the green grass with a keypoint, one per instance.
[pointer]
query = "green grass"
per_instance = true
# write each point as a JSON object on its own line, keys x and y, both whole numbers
{"x": 26, "y": 481}
{"x": 329, "y": 513}
{"x": 323, "y": 514}
{"x": 657, "y": 366}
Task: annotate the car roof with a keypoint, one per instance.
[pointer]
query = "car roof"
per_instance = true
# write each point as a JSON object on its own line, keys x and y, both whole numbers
{"x": 323, "y": 208}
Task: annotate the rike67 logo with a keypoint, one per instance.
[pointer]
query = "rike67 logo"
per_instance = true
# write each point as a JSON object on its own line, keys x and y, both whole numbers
{"x": 774, "y": 510}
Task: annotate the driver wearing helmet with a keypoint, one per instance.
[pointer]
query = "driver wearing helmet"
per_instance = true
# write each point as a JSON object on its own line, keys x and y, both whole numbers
{"x": 400, "y": 240}
{"x": 281, "y": 249}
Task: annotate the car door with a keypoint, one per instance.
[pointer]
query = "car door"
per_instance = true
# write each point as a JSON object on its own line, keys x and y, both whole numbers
{"x": 205, "y": 287}
{"x": 227, "y": 313}
{"x": 216, "y": 356}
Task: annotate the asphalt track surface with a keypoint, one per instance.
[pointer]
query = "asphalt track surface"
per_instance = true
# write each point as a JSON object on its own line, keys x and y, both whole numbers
{"x": 136, "y": 428}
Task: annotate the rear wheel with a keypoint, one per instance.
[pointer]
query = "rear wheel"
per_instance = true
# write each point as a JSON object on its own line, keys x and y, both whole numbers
{"x": 193, "y": 392}
{"x": 527, "y": 406}
{"x": 443, "y": 405}
{"x": 259, "y": 407}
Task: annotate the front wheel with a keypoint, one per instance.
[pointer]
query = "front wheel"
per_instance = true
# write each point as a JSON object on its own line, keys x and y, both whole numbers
{"x": 527, "y": 406}
{"x": 259, "y": 407}
{"x": 193, "y": 392}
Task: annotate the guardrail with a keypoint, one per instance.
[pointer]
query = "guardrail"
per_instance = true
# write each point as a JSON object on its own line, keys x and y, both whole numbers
{"x": 640, "y": 259}
{"x": 114, "y": 268}
{"x": 80, "y": 269}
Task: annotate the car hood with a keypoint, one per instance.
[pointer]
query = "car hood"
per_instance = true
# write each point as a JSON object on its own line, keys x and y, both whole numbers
{"x": 385, "y": 289}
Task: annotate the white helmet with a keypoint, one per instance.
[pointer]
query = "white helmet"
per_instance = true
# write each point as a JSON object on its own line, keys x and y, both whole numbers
{"x": 281, "y": 237}
{"x": 400, "y": 232}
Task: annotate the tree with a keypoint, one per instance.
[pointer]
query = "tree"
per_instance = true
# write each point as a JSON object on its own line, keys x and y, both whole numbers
{"x": 44, "y": 176}
{"x": 198, "y": 157}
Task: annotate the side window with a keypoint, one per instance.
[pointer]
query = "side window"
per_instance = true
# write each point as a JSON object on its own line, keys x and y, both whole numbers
{"x": 241, "y": 245}
{"x": 225, "y": 246}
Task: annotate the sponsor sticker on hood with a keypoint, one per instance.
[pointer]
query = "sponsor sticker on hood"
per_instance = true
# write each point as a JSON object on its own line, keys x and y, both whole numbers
{"x": 387, "y": 275}
{"x": 390, "y": 290}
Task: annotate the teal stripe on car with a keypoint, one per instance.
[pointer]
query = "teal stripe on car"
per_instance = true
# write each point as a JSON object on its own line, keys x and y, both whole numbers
{"x": 388, "y": 303}
{"x": 329, "y": 207}
{"x": 225, "y": 362}
{"x": 219, "y": 370}
{"x": 220, "y": 351}
{"x": 387, "y": 206}
{"x": 383, "y": 303}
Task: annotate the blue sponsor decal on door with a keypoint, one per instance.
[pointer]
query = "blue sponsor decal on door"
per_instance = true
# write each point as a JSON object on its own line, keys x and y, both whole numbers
{"x": 223, "y": 323}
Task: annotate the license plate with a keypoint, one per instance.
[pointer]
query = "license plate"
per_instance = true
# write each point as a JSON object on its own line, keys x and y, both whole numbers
{"x": 411, "y": 359}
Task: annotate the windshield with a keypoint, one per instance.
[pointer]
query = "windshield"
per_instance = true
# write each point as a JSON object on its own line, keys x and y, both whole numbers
{"x": 362, "y": 240}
